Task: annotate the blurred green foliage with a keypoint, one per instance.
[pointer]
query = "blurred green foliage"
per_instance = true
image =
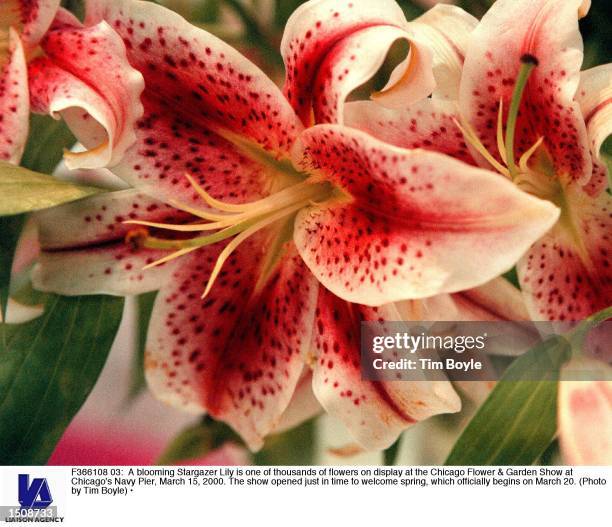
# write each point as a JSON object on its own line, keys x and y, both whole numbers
{"x": 144, "y": 309}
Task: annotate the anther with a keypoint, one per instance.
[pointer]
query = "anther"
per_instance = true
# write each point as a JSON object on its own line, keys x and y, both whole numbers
{"x": 136, "y": 238}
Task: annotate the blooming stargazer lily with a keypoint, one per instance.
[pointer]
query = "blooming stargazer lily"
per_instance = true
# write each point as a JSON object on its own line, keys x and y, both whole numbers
{"x": 220, "y": 148}
{"x": 46, "y": 54}
{"x": 526, "y": 110}
{"x": 543, "y": 132}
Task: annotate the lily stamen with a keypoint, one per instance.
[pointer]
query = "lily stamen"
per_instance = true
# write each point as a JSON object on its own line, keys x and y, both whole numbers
{"x": 470, "y": 136}
{"x": 269, "y": 203}
{"x": 505, "y": 144}
{"x": 231, "y": 246}
{"x": 501, "y": 146}
{"x": 240, "y": 221}
{"x": 523, "y": 162}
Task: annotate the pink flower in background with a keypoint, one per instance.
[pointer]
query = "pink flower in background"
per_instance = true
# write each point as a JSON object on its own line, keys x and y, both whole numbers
{"x": 291, "y": 208}
{"x": 585, "y": 413}
{"x": 89, "y": 446}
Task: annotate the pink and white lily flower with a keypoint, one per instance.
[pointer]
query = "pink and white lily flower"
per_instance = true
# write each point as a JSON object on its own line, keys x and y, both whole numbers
{"x": 585, "y": 413}
{"x": 22, "y": 25}
{"x": 49, "y": 60}
{"x": 526, "y": 111}
{"x": 294, "y": 235}
{"x": 70, "y": 80}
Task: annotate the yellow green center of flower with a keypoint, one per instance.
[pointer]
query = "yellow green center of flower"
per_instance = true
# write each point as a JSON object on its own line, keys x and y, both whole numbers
{"x": 229, "y": 220}
{"x": 539, "y": 178}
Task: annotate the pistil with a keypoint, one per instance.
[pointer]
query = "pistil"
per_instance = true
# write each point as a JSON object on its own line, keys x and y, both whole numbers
{"x": 521, "y": 174}
{"x": 528, "y": 62}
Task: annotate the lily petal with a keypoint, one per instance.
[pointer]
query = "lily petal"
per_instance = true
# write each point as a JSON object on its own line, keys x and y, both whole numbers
{"x": 201, "y": 97}
{"x": 567, "y": 274}
{"x": 331, "y": 47}
{"x": 14, "y": 101}
{"x": 101, "y": 109}
{"x": 176, "y": 58}
{"x": 496, "y": 300}
{"x": 17, "y": 313}
{"x": 171, "y": 144}
{"x": 374, "y": 412}
{"x": 585, "y": 416}
{"x": 446, "y": 29}
{"x": 547, "y": 30}
{"x": 237, "y": 353}
{"x": 594, "y": 96}
{"x": 429, "y": 124}
{"x": 84, "y": 249}
{"x": 102, "y": 178}
{"x": 409, "y": 220}
{"x": 108, "y": 270}
{"x": 30, "y": 18}
{"x": 357, "y": 58}
{"x": 303, "y": 406}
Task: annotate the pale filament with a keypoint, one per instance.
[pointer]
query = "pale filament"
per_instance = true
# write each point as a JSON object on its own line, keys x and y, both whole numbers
{"x": 239, "y": 212}
{"x": 511, "y": 172}
{"x": 234, "y": 220}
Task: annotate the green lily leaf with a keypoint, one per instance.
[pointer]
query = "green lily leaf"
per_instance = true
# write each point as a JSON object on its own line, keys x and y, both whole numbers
{"x": 22, "y": 190}
{"x": 42, "y": 153}
{"x": 47, "y": 139}
{"x": 518, "y": 421}
{"x": 144, "y": 309}
{"x": 390, "y": 454}
{"x": 10, "y": 229}
{"x": 48, "y": 367}
{"x": 196, "y": 441}
{"x": 293, "y": 447}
